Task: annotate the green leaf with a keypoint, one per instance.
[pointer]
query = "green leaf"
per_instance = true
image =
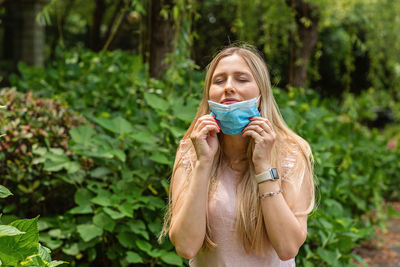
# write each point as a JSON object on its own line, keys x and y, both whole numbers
{"x": 143, "y": 245}
{"x": 138, "y": 227}
{"x": 56, "y": 263}
{"x": 185, "y": 113}
{"x": 72, "y": 166}
{"x": 100, "y": 172}
{"x": 82, "y": 134}
{"x": 71, "y": 250}
{"x": 103, "y": 199}
{"x": 8, "y": 230}
{"x": 54, "y": 166}
{"x": 89, "y": 231}
{"x": 143, "y": 137}
{"x": 177, "y": 131}
{"x": 104, "y": 221}
{"x": 359, "y": 259}
{"x": 117, "y": 125}
{"x": 16, "y": 248}
{"x": 172, "y": 259}
{"x": 82, "y": 197}
{"x": 160, "y": 158}
{"x": 126, "y": 208}
{"x": 4, "y": 192}
{"x": 81, "y": 210}
{"x": 133, "y": 257}
{"x": 328, "y": 256}
{"x": 114, "y": 214}
{"x": 122, "y": 126}
{"x": 156, "y": 102}
{"x": 119, "y": 154}
{"x": 44, "y": 253}
{"x": 126, "y": 239}
{"x": 51, "y": 243}
{"x": 33, "y": 260}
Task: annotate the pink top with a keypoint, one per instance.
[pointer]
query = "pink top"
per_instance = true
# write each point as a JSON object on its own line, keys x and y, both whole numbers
{"x": 230, "y": 252}
{"x": 222, "y": 215}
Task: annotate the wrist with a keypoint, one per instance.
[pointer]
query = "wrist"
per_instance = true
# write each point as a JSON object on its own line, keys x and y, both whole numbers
{"x": 204, "y": 163}
{"x": 261, "y": 167}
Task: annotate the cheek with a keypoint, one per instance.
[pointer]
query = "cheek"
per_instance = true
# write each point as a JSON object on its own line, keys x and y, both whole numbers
{"x": 252, "y": 91}
{"x": 214, "y": 93}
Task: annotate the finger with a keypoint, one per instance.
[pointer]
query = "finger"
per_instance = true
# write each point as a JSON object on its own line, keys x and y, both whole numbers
{"x": 204, "y": 120}
{"x": 209, "y": 129}
{"x": 262, "y": 120}
{"x": 257, "y": 128}
{"x": 263, "y": 125}
{"x": 253, "y": 134}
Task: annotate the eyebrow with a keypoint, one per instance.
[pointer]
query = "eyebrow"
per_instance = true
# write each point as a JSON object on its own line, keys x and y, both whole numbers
{"x": 235, "y": 73}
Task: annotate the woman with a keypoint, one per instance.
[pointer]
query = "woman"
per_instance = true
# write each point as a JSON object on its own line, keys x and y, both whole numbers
{"x": 242, "y": 184}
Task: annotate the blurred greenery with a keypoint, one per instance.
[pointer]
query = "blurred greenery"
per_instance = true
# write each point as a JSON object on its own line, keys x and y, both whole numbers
{"x": 88, "y": 140}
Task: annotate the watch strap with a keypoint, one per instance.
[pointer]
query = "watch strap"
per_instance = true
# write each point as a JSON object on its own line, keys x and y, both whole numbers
{"x": 270, "y": 175}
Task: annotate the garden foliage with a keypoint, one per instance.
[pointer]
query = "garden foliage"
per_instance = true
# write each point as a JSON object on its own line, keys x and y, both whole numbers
{"x": 119, "y": 163}
{"x": 19, "y": 242}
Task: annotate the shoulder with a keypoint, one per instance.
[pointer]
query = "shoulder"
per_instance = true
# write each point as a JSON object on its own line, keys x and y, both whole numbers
{"x": 294, "y": 157}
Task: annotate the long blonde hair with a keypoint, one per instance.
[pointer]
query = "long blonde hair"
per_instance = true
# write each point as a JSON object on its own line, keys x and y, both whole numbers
{"x": 249, "y": 220}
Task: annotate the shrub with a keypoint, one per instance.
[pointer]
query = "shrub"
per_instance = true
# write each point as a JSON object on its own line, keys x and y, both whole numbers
{"x": 19, "y": 242}
{"x": 26, "y": 122}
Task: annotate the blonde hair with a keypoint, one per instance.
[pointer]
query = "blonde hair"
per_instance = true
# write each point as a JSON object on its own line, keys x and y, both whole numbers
{"x": 249, "y": 220}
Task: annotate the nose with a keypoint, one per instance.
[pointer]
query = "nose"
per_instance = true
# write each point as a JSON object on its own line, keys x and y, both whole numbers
{"x": 229, "y": 86}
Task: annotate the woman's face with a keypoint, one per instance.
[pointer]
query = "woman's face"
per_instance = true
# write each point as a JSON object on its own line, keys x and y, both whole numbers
{"x": 232, "y": 81}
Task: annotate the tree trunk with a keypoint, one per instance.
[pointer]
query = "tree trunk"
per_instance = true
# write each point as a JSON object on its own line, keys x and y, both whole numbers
{"x": 161, "y": 37}
{"x": 24, "y": 38}
{"x": 307, "y": 34}
{"x": 98, "y": 14}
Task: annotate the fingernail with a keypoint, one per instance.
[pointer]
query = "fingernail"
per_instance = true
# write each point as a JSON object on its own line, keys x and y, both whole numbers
{"x": 214, "y": 115}
{"x": 251, "y": 118}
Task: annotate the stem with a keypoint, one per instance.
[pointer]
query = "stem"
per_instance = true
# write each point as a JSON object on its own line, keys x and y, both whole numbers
{"x": 116, "y": 28}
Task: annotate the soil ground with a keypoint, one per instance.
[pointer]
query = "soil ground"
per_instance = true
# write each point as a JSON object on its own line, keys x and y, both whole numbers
{"x": 384, "y": 250}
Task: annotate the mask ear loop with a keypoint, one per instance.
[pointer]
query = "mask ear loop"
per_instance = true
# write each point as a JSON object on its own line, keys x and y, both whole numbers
{"x": 259, "y": 103}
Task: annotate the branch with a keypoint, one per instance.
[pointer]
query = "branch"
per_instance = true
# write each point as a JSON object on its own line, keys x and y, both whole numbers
{"x": 116, "y": 28}
{"x": 113, "y": 19}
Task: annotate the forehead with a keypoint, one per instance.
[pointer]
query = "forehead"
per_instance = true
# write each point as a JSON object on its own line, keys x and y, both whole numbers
{"x": 233, "y": 63}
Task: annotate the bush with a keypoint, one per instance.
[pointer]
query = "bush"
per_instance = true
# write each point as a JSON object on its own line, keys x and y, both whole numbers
{"x": 19, "y": 242}
{"x": 354, "y": 168}
{"x": 27, "y": 122}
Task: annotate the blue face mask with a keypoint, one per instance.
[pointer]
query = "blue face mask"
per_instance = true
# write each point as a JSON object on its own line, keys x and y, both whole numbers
{"x": 234, "y": 118}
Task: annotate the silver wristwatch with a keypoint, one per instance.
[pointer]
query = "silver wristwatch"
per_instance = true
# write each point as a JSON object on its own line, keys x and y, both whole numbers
{"x": 270, "y": 175}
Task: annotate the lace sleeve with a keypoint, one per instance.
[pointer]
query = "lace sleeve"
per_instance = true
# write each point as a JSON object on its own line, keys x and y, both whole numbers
{"x": 296, "y": 184}
{"x": 186, "y": 155}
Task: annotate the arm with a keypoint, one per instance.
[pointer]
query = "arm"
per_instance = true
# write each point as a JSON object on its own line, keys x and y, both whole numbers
{"x": 286, "y": 232}
{"x": 188, "y": 223}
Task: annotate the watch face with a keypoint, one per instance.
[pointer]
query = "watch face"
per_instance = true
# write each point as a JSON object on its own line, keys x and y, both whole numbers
{"x": 274, "y": 173}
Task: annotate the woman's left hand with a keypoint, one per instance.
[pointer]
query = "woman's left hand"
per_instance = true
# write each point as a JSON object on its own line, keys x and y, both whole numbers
{"x": 263, "y": 134}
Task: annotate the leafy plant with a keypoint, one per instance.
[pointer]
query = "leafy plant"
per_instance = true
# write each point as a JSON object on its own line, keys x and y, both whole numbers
{"x": 27, "y": 121}
{"x": 19, "y": 242}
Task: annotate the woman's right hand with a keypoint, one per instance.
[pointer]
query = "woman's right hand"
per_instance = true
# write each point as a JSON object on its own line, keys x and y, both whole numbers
{"x": 204, "y": 137}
